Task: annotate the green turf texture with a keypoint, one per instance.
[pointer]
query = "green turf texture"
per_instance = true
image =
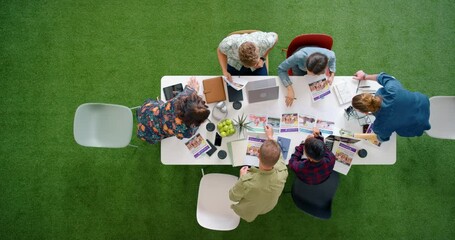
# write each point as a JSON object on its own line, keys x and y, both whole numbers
{"x": 56, "y": 55}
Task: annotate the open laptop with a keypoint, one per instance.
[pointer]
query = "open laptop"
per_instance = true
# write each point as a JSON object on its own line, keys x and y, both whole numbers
{"x": 262, "y": 90}
{"x": 333, "y": 141}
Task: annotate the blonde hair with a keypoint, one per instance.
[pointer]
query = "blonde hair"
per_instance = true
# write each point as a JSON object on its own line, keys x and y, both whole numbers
{"x": 366, "y": 102}
{"x": 248, "y": 54}
{"x": 269, "y": 153}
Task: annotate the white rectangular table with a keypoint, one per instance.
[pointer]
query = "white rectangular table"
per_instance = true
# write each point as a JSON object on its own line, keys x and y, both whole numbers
{"x": 174, "y": 151}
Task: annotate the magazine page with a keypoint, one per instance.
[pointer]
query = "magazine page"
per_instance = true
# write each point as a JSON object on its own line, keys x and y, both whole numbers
{"x": 325, "y": 126}
{"x": 237, "y": 82}
{"x": 307, "y": 123}
{"x": 252, "y": 150}
{"x": 289, "y": 122}
{"x": 275, "y": 123}
{"x": 257, "y": 122}
{"x": 319, "y": 86}
{"x": 197, "y": 145}
{"x": 344, "y": 155}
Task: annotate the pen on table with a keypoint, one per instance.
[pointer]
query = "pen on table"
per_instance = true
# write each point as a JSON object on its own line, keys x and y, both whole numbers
{"x": 364, "y": 87}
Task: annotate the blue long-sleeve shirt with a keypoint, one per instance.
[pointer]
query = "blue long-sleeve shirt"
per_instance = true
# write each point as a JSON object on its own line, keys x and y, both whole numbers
{"x": 404, "y": 112}
{"x": 298, "y": 61}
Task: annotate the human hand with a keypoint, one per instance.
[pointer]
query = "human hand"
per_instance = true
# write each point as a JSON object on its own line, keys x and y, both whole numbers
{"x": 228, "y": 76}
{"x": 359, "y": 75}
{"x": 290, "y": 96}
{"x": 193, "y": 83}
{"x": 243, "y": 170}
{"x": 330, "y": 80}
{"x": 268, "y": 132}
{"x": 316, "y": 132}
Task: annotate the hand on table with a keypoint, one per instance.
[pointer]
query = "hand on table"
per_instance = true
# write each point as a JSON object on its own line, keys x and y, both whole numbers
{"x": 359, "y": 75}
{"x": 330, "y": 80}
{"x": 243, "y": 170}
{"x": 268, "y": 132}
{"x": 290, "y": 96}
{"x": 316, "y": 132}
{"x": 228, "y": 76}
{"x": 193, "y": 83}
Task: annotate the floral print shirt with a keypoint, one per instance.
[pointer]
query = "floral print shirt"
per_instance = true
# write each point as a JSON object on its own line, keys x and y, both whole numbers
{"x": 230, "y": 45}
{"x": 157, "y": 120}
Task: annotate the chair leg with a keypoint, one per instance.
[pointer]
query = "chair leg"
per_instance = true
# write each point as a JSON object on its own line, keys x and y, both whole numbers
{"x": 131, "y": 145}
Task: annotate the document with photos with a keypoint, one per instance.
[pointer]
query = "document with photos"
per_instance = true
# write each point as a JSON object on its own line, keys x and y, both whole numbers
{"x": 275, "y": 123}
{"x": 344, "y": 155}
{"x": 252, "y": 150}
{"x": 289, "y": 122}
{"x": 325, "y": 126}
{"x": 237, "y": 82}
{"x": 307, "y": 123}
{"x": 319, "y": 86}
{"x": 197, "y": 145}
{"x": 257, "y": 122}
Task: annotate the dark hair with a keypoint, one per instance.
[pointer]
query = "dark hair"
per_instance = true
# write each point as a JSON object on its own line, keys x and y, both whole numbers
{"x": 366, "y": 102}
{"x": 269, "y": 153}
{"x": 314, "y": 148}
{"x": 192, "y": 110}
{"x": 316, "y": 63}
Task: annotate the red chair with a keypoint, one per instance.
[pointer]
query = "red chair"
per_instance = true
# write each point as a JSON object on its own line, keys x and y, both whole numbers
{"x": 312, "y": 39}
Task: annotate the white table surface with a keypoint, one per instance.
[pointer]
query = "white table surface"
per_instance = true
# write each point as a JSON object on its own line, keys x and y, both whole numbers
{"x": 174, "y": 151}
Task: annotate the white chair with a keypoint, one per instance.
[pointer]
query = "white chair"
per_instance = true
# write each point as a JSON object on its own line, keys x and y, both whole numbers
{"x": 442, "y": 117}
{"x": 103, "y": 125}
{"x": 213, "y": 205}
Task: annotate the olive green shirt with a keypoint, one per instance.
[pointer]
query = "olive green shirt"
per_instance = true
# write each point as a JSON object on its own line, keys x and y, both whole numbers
{"x": 257, "y": 192}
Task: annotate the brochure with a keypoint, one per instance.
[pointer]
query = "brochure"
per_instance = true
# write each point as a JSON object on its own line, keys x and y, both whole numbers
{"x": 236, "y": 150}
{"x": 307, "y": 123}
{"x": 197, "y": 145}
{"x": 344, "y": 92}
{"x": 237, "y": 82}
{"x": 257, "y": 122}
{"x": 325, "y": 126}
{"x": 252, "y": 150}
{"x": 319, "y": 86}
{"x": 289, "y": 122}
{"x": 344, "y": 155}
{"x": 275, "y": 123}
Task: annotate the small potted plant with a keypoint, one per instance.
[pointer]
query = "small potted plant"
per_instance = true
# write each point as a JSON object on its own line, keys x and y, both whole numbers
{"x": 242, "y": 124}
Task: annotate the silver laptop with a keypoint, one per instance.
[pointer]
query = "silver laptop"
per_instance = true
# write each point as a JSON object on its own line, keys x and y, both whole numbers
{"x": 333, "y": 141}
{"x": 262, "y": 90}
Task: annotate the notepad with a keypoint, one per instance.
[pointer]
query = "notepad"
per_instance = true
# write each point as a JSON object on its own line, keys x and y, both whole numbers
{"x": 343, "y": 92}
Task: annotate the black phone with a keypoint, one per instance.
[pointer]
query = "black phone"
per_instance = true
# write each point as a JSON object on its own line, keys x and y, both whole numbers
{"x": 218, "y": 139}
{"x": 213, "y": 150}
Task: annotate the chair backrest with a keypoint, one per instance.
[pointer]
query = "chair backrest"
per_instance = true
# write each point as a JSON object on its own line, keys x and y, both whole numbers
{"x": 312, "y": 39}
{"x": 213, "y": 205}
{"x": 103, "y": 125}
{"x": 316, "y": 200}
{"x": 442, "y": 117}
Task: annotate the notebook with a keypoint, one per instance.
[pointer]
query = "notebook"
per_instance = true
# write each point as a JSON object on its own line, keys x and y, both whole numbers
{"x": 214, "y": 90}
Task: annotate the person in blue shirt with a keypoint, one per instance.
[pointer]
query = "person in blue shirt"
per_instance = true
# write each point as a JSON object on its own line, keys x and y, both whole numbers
{"x": 306, "y": 60}
{"x": 395, "y": 108}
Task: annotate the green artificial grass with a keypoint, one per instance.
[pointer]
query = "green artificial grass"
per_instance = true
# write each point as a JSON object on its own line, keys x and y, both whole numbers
{"x": 56, "y": 55}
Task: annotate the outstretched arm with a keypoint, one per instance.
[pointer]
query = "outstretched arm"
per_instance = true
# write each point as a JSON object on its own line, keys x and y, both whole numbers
{"x": 222, "y": 59}
{"x": 361, "y": 75}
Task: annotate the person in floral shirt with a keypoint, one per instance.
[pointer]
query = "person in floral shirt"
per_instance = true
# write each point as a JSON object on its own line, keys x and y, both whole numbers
{"x": 181, "y": 116}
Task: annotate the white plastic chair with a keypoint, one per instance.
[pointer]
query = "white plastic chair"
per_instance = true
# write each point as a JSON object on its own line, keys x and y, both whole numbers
{"x": 442, "y": 117}
{"x": 213, "y": 205}
{"x": 103, "y": 125}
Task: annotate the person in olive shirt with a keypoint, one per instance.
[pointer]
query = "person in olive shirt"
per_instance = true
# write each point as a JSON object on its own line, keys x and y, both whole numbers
{"x": 258, "y": 189}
